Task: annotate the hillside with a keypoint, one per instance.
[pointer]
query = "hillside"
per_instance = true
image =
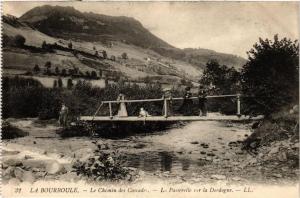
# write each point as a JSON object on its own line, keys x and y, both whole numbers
{"x": 199, "y": 57}
{"x": 141, "y": 63}
{"x": 148, "y": 57}
{"x": 68, "y": 23}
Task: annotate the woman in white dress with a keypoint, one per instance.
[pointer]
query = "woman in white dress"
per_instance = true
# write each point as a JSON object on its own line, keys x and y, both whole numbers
{"x": 122, "y": 111}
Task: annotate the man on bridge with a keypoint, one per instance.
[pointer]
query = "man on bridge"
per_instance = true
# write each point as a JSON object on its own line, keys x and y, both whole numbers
{"x": 202, "y": 93}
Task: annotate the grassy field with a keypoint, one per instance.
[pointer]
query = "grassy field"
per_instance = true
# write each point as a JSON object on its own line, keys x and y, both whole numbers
{"x": 140, "y": 63}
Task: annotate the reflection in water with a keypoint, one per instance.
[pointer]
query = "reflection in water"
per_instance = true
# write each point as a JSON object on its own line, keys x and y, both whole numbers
{"x": 165, "y": 161}
{"x": 185, "y": 164}
{"x": 162, "y": 161}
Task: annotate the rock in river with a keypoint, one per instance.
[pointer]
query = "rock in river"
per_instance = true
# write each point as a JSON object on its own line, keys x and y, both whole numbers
{"x": 8, "y": 173}
{"x": 11, "y": 162}
{"x": 18, "y": 172}
{"x": 14, "y": 182}
{"x": 55, "y": 168}
{"x": 28, "y": 176}
{"x": 218, "y": 177}
{"x": 277, "y": 175}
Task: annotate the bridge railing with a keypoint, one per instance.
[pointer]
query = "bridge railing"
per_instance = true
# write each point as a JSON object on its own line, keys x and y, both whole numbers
{"x": 110, "y": 102}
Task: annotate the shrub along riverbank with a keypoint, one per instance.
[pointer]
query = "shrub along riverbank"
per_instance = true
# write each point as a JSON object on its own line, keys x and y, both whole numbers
{"x": 26, "y": 97}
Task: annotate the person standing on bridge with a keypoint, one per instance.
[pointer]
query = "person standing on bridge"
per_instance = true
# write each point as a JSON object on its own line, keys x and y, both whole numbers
{"x": 187, "y": 105}
{"x": 202, "y": 93}
{"x": 63, "y": 115}
{"x": 168, "y": 104}
{"x": 122, "y": 111}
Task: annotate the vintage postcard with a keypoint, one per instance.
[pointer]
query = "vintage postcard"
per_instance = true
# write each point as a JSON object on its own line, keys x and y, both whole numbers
{"x": 149, "y": 99}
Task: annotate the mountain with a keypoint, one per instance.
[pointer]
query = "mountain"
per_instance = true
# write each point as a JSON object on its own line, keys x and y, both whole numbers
{"x": 199, "y": 57}
{"x": 202, "y": 56}
{"x": 141, "y": 65}
{"x": 149, "y": 59}
{"x": 69, "y": 23}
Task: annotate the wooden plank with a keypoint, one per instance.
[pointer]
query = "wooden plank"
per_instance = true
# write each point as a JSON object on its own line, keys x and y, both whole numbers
{"x": 238, "y": 105}
{"x": 110, "y": 111}
{"x": 161, "y": 99}
{"x": 171, "y": 118}
{"x": 166, "y": 108}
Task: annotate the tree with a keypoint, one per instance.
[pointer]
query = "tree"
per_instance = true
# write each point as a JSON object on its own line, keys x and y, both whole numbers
{"x": 104, "y": 54}
{"x": 63, "y": 72}
{"x": 71, "y": 72}
{"x": 87, "y": 74}
{"x": 60, "y": 83}
{"x": 93, "y": 75}
{"x": 7, "y": 40}
{"x": 221, "y": 79}
{"x": 55, "y": 84}
{"x": 36, "y": 68}
{"x": 44, "y": 45}
{"x": 76, "y": 70}
{"x": 48, "y": 64}
{"x": 70, "y": 45}
{"x": 106, "y": 82}
{"x": 70, "y": 83}
{"x": 20, "y": 40}
{"x": 124, "y": 55}
{"x": 56, "y": 70}
{"x": 100, "y": 73}
{"x": 271, "y": 75}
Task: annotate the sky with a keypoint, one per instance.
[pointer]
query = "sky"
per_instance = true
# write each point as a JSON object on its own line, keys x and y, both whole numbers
{"x": 228, "y": 27}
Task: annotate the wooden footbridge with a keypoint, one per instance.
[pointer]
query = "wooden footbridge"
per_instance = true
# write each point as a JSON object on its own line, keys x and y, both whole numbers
{"x": 165, "y": 117}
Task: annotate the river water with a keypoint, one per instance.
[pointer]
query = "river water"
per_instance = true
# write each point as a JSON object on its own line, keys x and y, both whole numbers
{"x": 182, "y": 151}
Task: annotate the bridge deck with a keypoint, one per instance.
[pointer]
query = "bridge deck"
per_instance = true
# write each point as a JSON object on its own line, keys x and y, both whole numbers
{"x": 171, "y": 118}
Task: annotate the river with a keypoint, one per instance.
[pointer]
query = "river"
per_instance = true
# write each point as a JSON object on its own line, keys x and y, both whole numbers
{"x": 194, "y": 150}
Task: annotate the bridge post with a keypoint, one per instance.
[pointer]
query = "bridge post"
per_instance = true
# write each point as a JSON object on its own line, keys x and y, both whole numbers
{"x": 238, "y": 97}
{"x": 165, "y": 108}
{"x": 110, "y": 110}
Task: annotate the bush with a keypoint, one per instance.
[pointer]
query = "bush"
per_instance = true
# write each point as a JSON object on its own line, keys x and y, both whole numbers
{"x": 10, "y": 132}
{"x": 277, "y": 127}
{"x": 271, "y": 75}
{"x": 28, "y": 98}
{"x": 124, "y": 55}
{"x": 19, "y": 40}
{"x": 80, "y": 129}
{"x": 24, "y": 97}
{"x": 103, "y": 166}
{"x": 36, "y": 68}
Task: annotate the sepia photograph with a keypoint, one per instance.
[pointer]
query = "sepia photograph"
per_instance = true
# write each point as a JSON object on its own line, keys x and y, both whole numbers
{"x": 149, "y": 99}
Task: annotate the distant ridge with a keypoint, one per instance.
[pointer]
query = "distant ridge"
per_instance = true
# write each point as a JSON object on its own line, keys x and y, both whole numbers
{"x": 69, "y": 23}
